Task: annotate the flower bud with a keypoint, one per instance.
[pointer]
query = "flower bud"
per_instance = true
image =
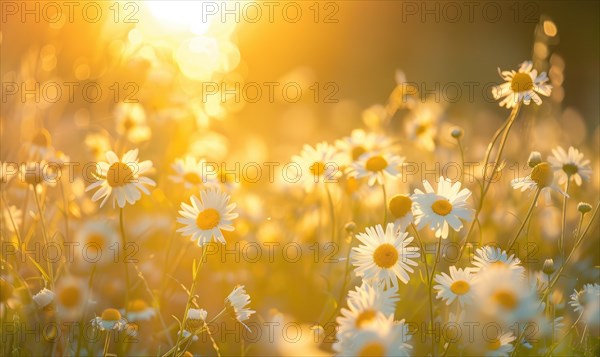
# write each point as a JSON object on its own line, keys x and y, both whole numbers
{"x": 584, "y": 207}
{"x": 534, "y": 158}
{"x": 548, "y": 266}
{"x": 457, "y": 132}
{"x": 350, "y": 227}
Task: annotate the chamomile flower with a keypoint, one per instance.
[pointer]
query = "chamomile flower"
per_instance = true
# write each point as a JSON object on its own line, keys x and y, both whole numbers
{"x": 500, "y": 346}
{"x": 319, "y": 164}
{"x": 400, "y": 207}
{"x": 570, "y": 165}
{"x": 191, "y": 173}
{"x": 70, "y": 297}
{"x": 376, "y": 166}
{"x": 236, "y": 303}
{"x": 541, "y": 177}
{"x": 524, "y": 85}
{"x": 121, "y": 178}
{"x": 422, "y": 124}
{"x": 207, "y": 217}
{"x": 363, "y": 305}
{"x": 384, "y": 256}
{"x": 443, "y": 209}
{"x": 493, "y": 256}
{"x": 44, "y": 298}
{"x": 131, "y": 122}
{"x": 384, "y": 337}
{"x": 138, "y": 310}
{"x": 109, "y": 320}
{"x": 456, "y": 286}
{"x": 95, "y": 238}
{"x": 195, "y": 319}
{"x": 580, "y": 299}
{"x": 361, "y": 142}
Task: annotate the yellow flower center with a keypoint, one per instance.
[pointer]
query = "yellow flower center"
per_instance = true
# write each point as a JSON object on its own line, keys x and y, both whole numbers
{"x": 357, "y": 151}
{"x": 376, "y": 163}
{"x": 317, "y": 168}
{"x": 372, "y": 349}
{"x": 400, "y": 206}
{"x": 42, "y": 138}
{"x": 542, "y": 175}
{"x": 521, "y": 82}
{"x": 192, "y": 178}
{"x": 119, "y": 174}
{"x": 352, "y": 185}
{"x": 421, "y": 129}
{"x": 137, "y": 305}
{"x": 128, "y": 123}
{"x": 111, "y": 315}
{"x": 208, "y": 219}
{"x": 494, "y": 344}
{"x": 70, "y": 296}
{"x": 460, "y": 287}
{"x": 570, "y": 169}
{"x": 95, "y": 241}
{"x": 365, "y": 317}
{"x": 441, "y": 207}
{"x": 506, "y": 299}
{"x": 385, "y": 256}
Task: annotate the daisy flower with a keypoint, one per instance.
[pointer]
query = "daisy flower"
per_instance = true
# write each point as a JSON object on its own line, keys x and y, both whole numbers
{"x": 131, "y": 122}
{"x": 317, "y": 164}
{"x": 375, "y": 167}
{"x": 95, "y": 238}
{"x": 109, "y": 320}
{"x": 236, "y": 303}
{"x": 384, "y": 337}
{"x": 541, "y": 177}
{"x": 207, "y": 217}
{"x": 138, "y": 310}
{"x": 363, "y": 305}
{"x": 500, "y": 346}
{"x": 44, "y": 298}
{"x": 361, "y": 142}
{"x": 401, "y": 208}
{"x": 121, "y": 178}
{"x": 445, "y": 208}
{"x": 196, "y": 318}
{"x": 422, "y": 124}
{"x": 570, "y": 165}
{"x": 523, "y": 85}
{"x": 457, "y": 285}
{"x": 191, "y": 173}
{"x": 384, "y": 257}
{"x": 70, "y": 297}
{"x": 505, "y": 296}
{"x": 37, "y": 172}
{"x": 493, "y": 256}
{"x": 580, "y": 299}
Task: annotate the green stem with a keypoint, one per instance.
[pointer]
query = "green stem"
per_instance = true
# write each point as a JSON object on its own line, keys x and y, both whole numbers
{"x": 124, "y": 244}
{"x": 561, "y": 243}
{"x": 514, "y": 239}
{"x": 45, "y": 235}
{"x": 384, "y": 205}
{"x": 504, "y": 130}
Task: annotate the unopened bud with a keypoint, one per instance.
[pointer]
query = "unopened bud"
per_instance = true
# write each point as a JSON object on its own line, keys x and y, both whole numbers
{"x": 548, "y": 266}
{"x": 584, "y": 207}
{"x": 457, "y": 132}
{"x": 350, "y": 227}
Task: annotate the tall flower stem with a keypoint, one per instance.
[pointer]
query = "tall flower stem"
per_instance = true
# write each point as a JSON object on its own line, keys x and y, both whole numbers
{"x": 561, "y": 243}
{"x": 188, "y": 305}
{"x": 533, "y": 202}
{"x": 331, "y": 213}
{"x": 45, "y": 235}
{"x": 123, "y": 250}
{"x": 504, "y": 130}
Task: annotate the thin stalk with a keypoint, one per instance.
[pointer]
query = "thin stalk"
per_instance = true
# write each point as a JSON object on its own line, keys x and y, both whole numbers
{"x": 514, "y": 239}
{"x": 384, "y": 205}
{"x": 189, "y": 301}
{"x": 106, "y": 343}
{"x": 124, "y": 243}
{"x": 504, "y": 130}
{"x": 45, "y": 235}
{"x": 331, "y": 213}
{"x": 561, "y": 243}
